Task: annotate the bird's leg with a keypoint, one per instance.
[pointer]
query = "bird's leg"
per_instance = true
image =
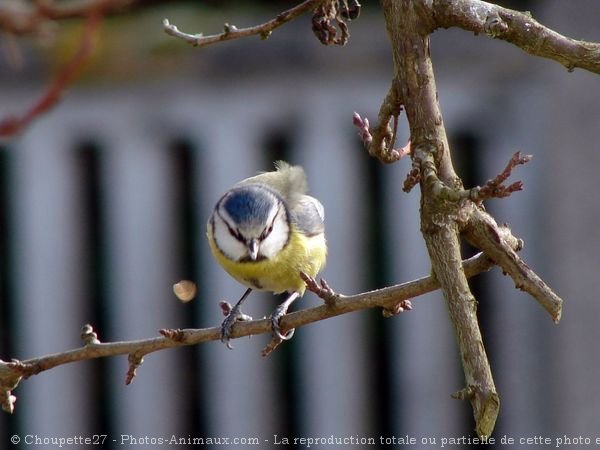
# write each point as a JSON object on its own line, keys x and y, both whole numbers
{"x": 234, "y": 315}
{"x": 279, "y": 312}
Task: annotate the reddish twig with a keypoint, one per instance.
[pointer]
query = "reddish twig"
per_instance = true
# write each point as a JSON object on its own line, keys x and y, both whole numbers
{"x": 135, "y": 360}
{"x": 321, "y": 289}
{"x": 30, "y": 18}
{"x": 403, "y": 306}
{"x": 271, "y": 346}
{"x": 495, "y": 188}
{"x": 12, "y": 125}
{"x": 363, "y": 129}
{"x": 82, "y": 8}
{"x": 364, "y": 132}
{"x": 412, "y": 179}
{"x": 424, "y": 169}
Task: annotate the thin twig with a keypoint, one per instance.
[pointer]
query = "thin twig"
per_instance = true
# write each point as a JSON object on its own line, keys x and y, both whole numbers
{"x": 380, "y": 141}
{"x": 384, "y": 139}
{"x": 424, "y": 167}
{"x": 229, "y": 32}
{"x": 495, "y": 188}
{"x": 12, "y": 125}
{"x": 389, "y": 298}
{"x": 20, "y": 19}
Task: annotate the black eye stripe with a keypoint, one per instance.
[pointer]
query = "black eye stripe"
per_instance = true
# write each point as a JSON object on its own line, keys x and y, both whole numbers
{"x": 267, "y": 231}
{"x": 236, "y": 234}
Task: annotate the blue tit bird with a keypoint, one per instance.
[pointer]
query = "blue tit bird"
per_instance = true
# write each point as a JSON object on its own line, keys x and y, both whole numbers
{"x": 264, "y": 232}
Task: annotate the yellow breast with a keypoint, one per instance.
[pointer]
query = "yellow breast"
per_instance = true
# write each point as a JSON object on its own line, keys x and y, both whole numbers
{"x": 281, "y": 273}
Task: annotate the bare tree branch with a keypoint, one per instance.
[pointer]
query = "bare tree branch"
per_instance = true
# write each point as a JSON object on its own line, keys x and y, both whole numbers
{"x": 447, "y": 209}
{"x": 12, "y": 125}
{"x": 495, "y": 188}
{"x": 230, "y": 31}
{"x": 518, "y": 28}
{"x": 413, "y": 89}
{"x": 20, "y": 19}
{"x": 12, "y": 372}
{"x": 484, "y": 233}
{"x": 440, "y": 219}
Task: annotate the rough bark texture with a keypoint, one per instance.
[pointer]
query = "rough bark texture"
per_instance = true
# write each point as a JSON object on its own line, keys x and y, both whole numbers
{"x": 519, "y": 28}
{"x": 408, "y": 24}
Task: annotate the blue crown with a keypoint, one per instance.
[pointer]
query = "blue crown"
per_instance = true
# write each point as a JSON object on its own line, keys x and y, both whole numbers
{"x": 249, "y": 204}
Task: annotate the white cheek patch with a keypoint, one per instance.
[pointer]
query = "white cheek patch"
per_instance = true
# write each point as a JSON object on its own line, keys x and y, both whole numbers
{"x": 229, "y": 246}
{"x": 277, "y": 238}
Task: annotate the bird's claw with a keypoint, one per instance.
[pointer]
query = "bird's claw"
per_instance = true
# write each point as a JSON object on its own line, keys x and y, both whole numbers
{"x": 275, "y": 319}
{"x": 234, "y": 315}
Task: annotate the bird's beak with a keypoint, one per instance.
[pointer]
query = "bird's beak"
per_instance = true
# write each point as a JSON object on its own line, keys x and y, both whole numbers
{"x": 253, "y": 249}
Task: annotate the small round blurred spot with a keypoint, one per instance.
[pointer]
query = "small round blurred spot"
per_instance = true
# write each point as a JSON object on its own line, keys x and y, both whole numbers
{"x": 185, "y": 290}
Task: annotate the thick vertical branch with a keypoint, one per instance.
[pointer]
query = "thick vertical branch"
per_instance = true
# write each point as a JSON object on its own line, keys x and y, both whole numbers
{"x": 408, "y": 24}
{"x": 480, "y": 388}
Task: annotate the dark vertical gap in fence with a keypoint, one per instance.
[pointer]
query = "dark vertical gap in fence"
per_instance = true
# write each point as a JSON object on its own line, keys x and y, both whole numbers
{"x": 278, "y": 144}
{"x": 376, "y": 265}
{"x": 184, "y": 173}
{"x": 9, "y": 328}
{"x": 88, "y": 154}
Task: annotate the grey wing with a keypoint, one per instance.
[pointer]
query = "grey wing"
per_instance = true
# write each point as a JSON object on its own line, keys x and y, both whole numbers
{"x": 308, "y": 215}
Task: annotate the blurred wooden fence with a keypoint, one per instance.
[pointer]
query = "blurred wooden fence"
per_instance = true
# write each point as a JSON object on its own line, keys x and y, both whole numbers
{"x": 104, "y": 203}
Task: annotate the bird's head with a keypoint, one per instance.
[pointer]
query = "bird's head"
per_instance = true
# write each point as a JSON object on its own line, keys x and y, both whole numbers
{"x": 250, "y": 223}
